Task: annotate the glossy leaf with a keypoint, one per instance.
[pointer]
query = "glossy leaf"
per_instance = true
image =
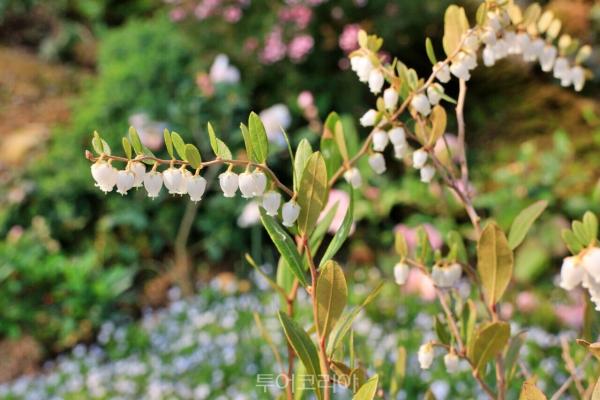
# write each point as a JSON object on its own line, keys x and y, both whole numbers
{"x": 218, "y": 146}
{"x": 284, "y": 244}
{"x": 342, "y": 233}
{"x": 489, "y": 342}
{"x": 494, "y": 262}
{"x": 179, "y": 145}
{"x": 332, "y": 297}
{"x": 258, "y": 137}
{"x": 312, "y": 192}
{"x": 523, "y": 223}
{"x": 134, "y": 138}
{"x": 439, "y": 120}
{"x": 430, "y": 51}
{"x": 590, "y": 223}
{"x": 168, "y": 143}
{"x": 441, "y": 330}
{"x": 247, "y": 142}
{"x": 285, "y": 277}
{"x": 368, "y": 390}
{"x": 303, "y": 153}
{"x": 455, "y": 25}
{"x": 192, "y": 155}
{"x": 571, "y": 241}
{"x": 328, "y": 145}
{"x": 512, "y": 355}
{"x": 126, "y": 147}
{"x": 340, "y": 140}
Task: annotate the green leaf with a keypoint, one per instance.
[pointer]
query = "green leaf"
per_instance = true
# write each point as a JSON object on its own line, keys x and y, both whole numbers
{"x": 494, "y": 262}
{"x": 284, "y": 244}
{"x": 316, "y": 238}
{"x": 303, "y": 347}
{"x": 285, "y": 276}
{"x": 571, "y": 241}
{"x": 273, "y": 285}
{"x": 340, "y": 140}
{"x": 368, "y": 390}
{"x": 342, "y": 234}
{"x": 328, "y": 145}
{"x": 105, "y": 147}
{"x": 258, "y": 137}
{"x": 247, "y": 142}
{"x": 439, "y": 120}
{"x": 531, "y": 392}
{"x": 303, "y": 153}
{"x": 457, "y": 246}
{"x": 489, "y": 342}
{"x": 441, "y": 331}
{"x": 168, "y": 143}
{"x": 399, "y": 372}
{"x": 192, "y": 155}
{"x": 148, "y": 153}
{"x": 332, "y": 296}
{"x": 512, "y": 355}
{"x": 423, "y": 245}
{"x": 179, "y": 145}
{"x": 134, "y": 138}
{"x": 400, "y": 245}
{"x": 126, "y": 147}
{"x": 430, "y": 51}
{"x": 590, "y": 223}
{"x": 218, "y": 146}
{"x": 523, "y": 222}
{"x": 312, "y": 192}
{"x": 468, "y": 321}
{"x": 455, "y": 25}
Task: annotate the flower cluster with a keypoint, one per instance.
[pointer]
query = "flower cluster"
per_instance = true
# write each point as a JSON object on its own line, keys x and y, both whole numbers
{"x": 583, "y": 269}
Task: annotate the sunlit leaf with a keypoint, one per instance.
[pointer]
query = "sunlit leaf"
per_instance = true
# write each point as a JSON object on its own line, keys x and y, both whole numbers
{"x": 332, "y": 296}
{"x": 490, "y": 341}
{"x": 312, "y": 192}
{"x": 523, "y": 223}
{"x": 341, "y": 234}
{"x": 494, "y": 262}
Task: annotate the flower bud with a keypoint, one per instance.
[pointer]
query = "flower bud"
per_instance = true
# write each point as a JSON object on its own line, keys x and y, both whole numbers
{"x": 397, "y": 136}
{"x": 376, "y": 81}
{"x": 434, "y": 93}
{"x": 105, "y": 176}
{"x": 426, "y": 355}
{"x": 362, "y": 66}
{"x": 390, "y": 98}
{"x": 401, "y": 271}
{"x": 571, "y": 273}
{"x": 173, "y": 180}
{"x": 124, "y": 181}
{"x": 591, "y": 263}
{"x": 451, "y": 362}
{"x": 229, "y": 183}
{"x": 380, "y": 140}
{"x": 377, "y": 163}
{"x": 442, "y": 72}
{"x": 139, "y": 171}
{"x": 246, "y": 183}
{"x": 153, "y": 183}
{"x": 353, "y": 177}
{"x": 270, "y": 202}
{"x": 427, "y": 173}
{"x": 289, "y": 213}
{"x": 196, "y": 185}
{"x": 368, "y": 119}
{"x": 419, "y": 158}
{"x": 260, "y": 182}
{"x": 421, "y": 104}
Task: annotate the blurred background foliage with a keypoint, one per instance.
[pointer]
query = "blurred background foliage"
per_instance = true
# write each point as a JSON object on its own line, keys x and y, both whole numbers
{"x": 70, "y": 256}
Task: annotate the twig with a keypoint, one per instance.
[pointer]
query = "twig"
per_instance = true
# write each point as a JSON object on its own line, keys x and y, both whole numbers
{"x": 568, "y": 382}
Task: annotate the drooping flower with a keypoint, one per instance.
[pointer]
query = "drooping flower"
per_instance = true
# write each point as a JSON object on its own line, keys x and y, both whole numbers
{"x": 578, "y": 78}
{"x": 353, "y": 177}
{"x": 380, "y": 140}
{"x": 489, "y": 58}
{"x": 246, "y": 184}
{"x": 105, "y": 175}
{"x": 139, "y": 171}
{"x": 420, "y": 103}
{"x": 451, "y": 362}
{"x": 125, "y": 181}
{"x": 547, "y": 58}
{"x": 289, "y": 213}
{"x": 434, "y": 93}
{"x": 390, "y": 98}
{"x": 446, "y": 276}
{"x": 229, "y": 183}
{"x": 401, "y": 271}
{"x": 270, "y": 202}
{"x": 397, "y": 136}
{"x": 196, "y": 185}
{"x": 376, "y": 81}
{"x": 426, "y": 355}
{"x": 442, "y": 72}
{"x": 419, "y": 158}
{"x": 153, "y": 181}
{"x": 368, "y": 118}
{"x": 260, "y": 182}
{"x": 362, "y": 66}
{"x": 377, "y": 163}
{"x": 590, "y": 261}
{"x": 427, "y": 173}
{"x": 173, "y": 180}
{"x": 571, "y": 273}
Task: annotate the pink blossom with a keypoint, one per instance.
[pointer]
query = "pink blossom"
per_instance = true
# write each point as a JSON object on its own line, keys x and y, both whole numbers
{"x": 342, "y": 199}
{"x": 177, "y": 14}
{"x": 526, "y": 302}
{"x": 410, "y": 234}
{"x": 571, "y": 315}
{"x": 453, "y": 148}
{"x": 300, "y": 46}
{"x": 348, "y": 40}
{"x": 274, "y": 49}
{"x": 232, "y": 14}
{"x": 419, "y": 283}
{"x": 299, "y": 14}
{"x": 305, "y": 99}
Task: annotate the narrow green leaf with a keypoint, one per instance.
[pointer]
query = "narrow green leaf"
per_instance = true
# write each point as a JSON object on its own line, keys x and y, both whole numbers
{"x": 303, "y": 153}
{"x": 332, "y": 296}
{"x": 267, "y": 338}
{"x": 523, "y": 223}
{"x": 105, "y": 147}
{"x": 316, "y": 238}
{"x": 494, "y": 262}
{"x": 192, "y": 155}
{"x": 423, "y": 245}
{"x": 148, "y": 153}
{"x": 469, "y": 320}
{"x": 247, "y": 142}
{"x": 368, "y": 390}
{"x": 218, "y": 146}
{"x": 303, "y": 347}
{"x": 456, "y": 244}
{"x": 312, "y": 192}
{"x": 328, "y": 145}
{"x": 399, "y": 372}
{"x": 400, "y": 245}
{"x": 179, "y": 145}
{"x": 134, "y": 138}
{"x": 126, "y": 147}
{"x": 285, "y": 245}
{"x": 590, "y": 223}
{"x": 168, "y": 142}
{"x": 97, "y": 143}
{"x": 340, "y": 140}
{"x": 441, "y": 331}
{"x": 489, "y": 342}
{"x": 285, "y": 276}
{"x": 430, "y": 51}
{"x": 571, "y": 241}
{"x": 512, "y": 355}
{"x": 258, "y": 137}
{"x": 342, "y": 234}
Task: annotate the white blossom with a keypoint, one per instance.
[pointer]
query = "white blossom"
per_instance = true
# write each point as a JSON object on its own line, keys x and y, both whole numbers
{"x": 419, "y": 158}
{"x": 420, "y": 103}
{"x": 125, "y": 180}
{"x": 173, "y": 180}
{"x": 489, "y": 36}
{"x": 390, "y": 98}
{"x": 229, "y": 183}
{"x": 353, "y": 177}
{"x": 377, "y": 163}
{"x": 451, "y": 362}
{"x": 493, "y": 21}
{"x": 260, "y": 182}
{"x": 368, "y": 119}
{"x": 196, "y": 185}
{"x": 590, "y": 261}
{"x": 446, "y": 276}
{"x": 380, "y": 140}
{"x": 578, "y": 77}
{"x": 397, "y": 136}
{"x": 434, "y": 93}
{"x": 246, "y": 184}
{"x": 139, "y": 171}
{"x": 153, "y": 183}
{"x": 290, "y": 212}
{"x": 270, "y": 202}
{"x": 571, "y": 273}
{"x": 442, "y": 72}
{"x": 547, "y": 58}
{"x": 105, "y": 175}
{"x": 489, "y": 58}
{"x": 460, "y": 70}
{"x": 222, "y": 72}
{"x": 426, "y": 355}
{"x": 401, "y": 271}
{"x": 427, "y": 173}
{"x": 362, "y": 66}
{"x": 376, "y": 81}
{"x": 400, "y": 150}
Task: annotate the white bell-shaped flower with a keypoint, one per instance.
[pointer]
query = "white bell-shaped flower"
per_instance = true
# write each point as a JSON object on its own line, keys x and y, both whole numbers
{"x": 229, "y": 183}
{"x": 400, "y": 150}
{"x": 271, "y": 202}
{"x": 289, "y": 213}
{"x": 246, "y": 184}
{"x": 425, "y": 355}
{"x": 446, "y": 276}
{"x": 489, "y": 58}
{"x": 420, "y": 103}
{"x": 401, "y": 271}
{"x": 511, "y": 39}
{"x": 460, "y": 70}
{"x": 153, "y": 181}
{"x": 427, "y": 173}
{"x": 419, "y": 158}
{"x": 471, "y": 43}
{"x": 260, "y": 182}
{"x": 525, "y": 46}
{"x": 397, "y": 136}
{"x": 353, "y": 177}
{"x": 105, "y": 175}
{"x": 362, "y": 66}
{"x": 125, "y": 180}
{"x": 561, "y": 67}
{"x": 196, "y": 185}
{"x": 547, "y": 58}
{"x": 377, "y": 163}
{"x": 390, "y": 98}
{"x": 380, "y": 140}
{"x": 470, "y": 60}
{"x": 139, "y": 171}
{"x": 537, "y": 47}
{"x": 369, "y": 118}
{"x": 442, "y": 72}
{"x": 451, "y": 362}
{"x": 493, "y": 21}
{"x": 500, "y": 49}
{"x": 593, "y": 288}
{"x": 185, "y": 175}
{"x": 434, "y": 93}
{"x": 489, "y": 36}
{"x": 571, "y": 273}
{"x": 376, "y": 81}
{"x": 173, "y": 180}
{"x": 590, "y": 261}
{"x": 453, "y": 273}
{"x": 578, "y": 77}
